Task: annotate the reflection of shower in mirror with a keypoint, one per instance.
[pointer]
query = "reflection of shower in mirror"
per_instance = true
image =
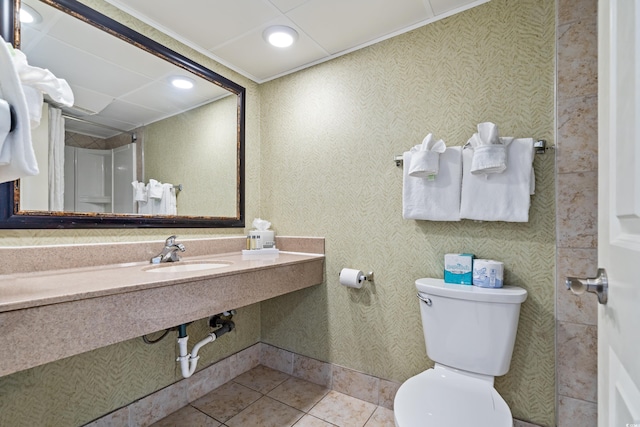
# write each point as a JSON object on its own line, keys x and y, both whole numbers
{"x": 100, "y": 180}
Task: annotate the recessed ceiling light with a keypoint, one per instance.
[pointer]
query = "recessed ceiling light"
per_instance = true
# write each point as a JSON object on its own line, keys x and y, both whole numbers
{"x": 280, "y": 36}
{"x": 182, "y": 82}
{"x": 28, "y": 15}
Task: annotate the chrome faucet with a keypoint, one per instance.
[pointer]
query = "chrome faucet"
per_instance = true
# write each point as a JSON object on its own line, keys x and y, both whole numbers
{"x": 170, "y": 251}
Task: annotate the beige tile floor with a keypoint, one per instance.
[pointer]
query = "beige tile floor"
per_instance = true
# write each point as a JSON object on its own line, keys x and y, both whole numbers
{"x": 264, "y": 397}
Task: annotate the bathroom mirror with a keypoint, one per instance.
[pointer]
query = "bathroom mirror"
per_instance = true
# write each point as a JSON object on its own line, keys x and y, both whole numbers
{"x": 193, "y": 142}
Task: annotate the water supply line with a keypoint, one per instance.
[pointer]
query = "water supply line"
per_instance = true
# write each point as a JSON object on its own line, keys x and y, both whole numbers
{"x": 189, "y": 361}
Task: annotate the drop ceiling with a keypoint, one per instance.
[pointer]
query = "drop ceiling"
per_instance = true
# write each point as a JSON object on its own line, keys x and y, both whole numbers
{"x": 126, "y": 88}
{"x": 231, "y": 31}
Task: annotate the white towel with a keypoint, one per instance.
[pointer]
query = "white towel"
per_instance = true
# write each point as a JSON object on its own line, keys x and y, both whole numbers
{"x": 139, "y": 191}
{"x": 168, "y": 204}
{"x": 499, "y": 197}
{"x": 435, "y": 199}
{"x": 489, "y": 150}
{"x": 155, "y": 189}
{"x": 425, "y": 157}
{"x": 17, "y": 158}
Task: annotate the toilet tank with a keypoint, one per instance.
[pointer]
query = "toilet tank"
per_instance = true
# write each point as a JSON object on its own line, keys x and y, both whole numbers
{"x": 469, "y": 327}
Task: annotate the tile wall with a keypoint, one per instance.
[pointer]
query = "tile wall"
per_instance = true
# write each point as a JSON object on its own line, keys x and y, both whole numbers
{"x": 576, "y": 210}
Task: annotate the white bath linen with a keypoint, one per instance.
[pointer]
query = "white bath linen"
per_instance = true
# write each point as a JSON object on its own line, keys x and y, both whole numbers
{"x": 17, "y": 158}
{"x": 168, "y": 201}
{"x": 155, "y": 189}
{"x": 425, "y": 157}
{"x": 489, "y": 150}
{"x": 139, "y": 191}
{"x": 435, "y": 199}
{"x": 499, "y": 197}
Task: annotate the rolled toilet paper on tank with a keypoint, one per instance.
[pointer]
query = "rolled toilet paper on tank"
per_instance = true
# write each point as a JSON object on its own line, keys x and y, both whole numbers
{"x": 488, "y": 273}
{"x": 351, "y": 278}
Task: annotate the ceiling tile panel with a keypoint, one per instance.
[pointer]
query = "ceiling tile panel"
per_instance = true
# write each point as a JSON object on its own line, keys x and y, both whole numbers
{"x": 338, "y": 25}
{"x": 206, "y": 23}
{"x": 94, "y": 72}
{"x": 285, "y": 6}
{"x": 265, "y": 60}
{"x": 82, "y": 36}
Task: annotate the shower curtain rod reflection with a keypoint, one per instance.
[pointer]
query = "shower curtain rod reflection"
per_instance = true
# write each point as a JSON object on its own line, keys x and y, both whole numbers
{"x": 134, "y": 137}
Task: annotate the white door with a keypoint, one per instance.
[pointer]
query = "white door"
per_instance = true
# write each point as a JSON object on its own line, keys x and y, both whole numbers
{"x": 619, "y": 212}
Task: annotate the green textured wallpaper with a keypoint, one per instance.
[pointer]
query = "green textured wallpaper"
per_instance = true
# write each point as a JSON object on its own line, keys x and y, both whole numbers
{"x": 320, "y": 148}
{"x": 329, "y": 135}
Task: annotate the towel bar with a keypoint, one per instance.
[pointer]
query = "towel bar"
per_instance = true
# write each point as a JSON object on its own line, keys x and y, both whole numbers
{"x": 540, "y": 145}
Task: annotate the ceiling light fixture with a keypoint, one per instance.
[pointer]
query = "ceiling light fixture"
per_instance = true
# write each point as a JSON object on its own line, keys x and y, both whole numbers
{"x": 182, "y": 82}
{"x": 28, "y": 15}
{"x": 280, "y": 35}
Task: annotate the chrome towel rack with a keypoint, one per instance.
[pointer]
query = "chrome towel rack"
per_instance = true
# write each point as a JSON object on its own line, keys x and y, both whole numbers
{"x": 540, "y": 146}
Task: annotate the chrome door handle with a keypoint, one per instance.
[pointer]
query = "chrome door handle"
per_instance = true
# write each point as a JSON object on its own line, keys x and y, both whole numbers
{"x": 598, "y": 285}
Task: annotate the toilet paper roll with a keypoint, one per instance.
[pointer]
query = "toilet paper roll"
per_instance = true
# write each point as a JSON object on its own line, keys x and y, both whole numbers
{"x": 351, "y": 278}
{"x": 488, "y": 273}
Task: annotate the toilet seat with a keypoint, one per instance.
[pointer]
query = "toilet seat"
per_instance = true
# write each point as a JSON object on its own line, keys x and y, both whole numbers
{"x": 441, "y": 397}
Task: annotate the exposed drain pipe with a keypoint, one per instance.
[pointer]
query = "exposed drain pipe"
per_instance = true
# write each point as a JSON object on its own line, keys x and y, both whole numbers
{"x": 188, "y": 362}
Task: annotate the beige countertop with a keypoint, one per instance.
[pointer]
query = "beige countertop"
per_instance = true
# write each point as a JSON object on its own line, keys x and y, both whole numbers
{"x": 59, "y": 301}
{"x": 26, "y": 290}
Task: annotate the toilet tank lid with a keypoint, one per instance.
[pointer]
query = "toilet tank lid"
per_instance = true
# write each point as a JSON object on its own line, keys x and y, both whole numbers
{"x": 506, "y": 294}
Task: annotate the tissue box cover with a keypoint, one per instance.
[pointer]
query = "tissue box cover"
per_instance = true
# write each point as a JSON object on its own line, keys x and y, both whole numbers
{"x": 458, "y": 269}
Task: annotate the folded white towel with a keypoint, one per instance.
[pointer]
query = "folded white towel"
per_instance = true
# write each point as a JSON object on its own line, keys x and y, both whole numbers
{"x": 425, "y": 157}
{"x": 17, "y": 158}
{"x": 489, "y": 150}
{"x": 139, "y": 191}
{"x": 155, "y": 189}
{"x": 437, "y": 199}
{"x": 499, "y": 197}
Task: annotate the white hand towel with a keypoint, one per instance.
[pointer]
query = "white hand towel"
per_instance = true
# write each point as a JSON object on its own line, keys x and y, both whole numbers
{"x": 17, "y": 158}
{"x": 489, "y": 150}
{"x": 425, "y": 157}
{"x": 499, "y": 197}
{"x": 437, "y": 199}
{"x": 167, "y": 205}
{"x": 139, "y": 191}
{"x": 155, "y": 189}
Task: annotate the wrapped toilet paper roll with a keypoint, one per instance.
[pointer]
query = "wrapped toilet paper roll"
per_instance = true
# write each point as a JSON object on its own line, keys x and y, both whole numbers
{"x": 352, "y": 278}
{"x": 488, "y": 273}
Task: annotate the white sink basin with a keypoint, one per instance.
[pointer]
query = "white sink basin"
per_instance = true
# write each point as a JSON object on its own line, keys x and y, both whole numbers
{"x": 181, "y": 267}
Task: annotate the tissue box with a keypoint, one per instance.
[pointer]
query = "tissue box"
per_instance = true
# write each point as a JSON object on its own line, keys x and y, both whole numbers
{"x": 458, "y": 269}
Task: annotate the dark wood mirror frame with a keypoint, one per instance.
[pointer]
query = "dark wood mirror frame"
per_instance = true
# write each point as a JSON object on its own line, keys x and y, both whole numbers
{"x": 10, "y": 215}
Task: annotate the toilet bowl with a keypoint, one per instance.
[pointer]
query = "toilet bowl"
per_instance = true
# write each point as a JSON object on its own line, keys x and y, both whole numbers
{"x": 442, "y": 397}
{"x": 469, "y": 334}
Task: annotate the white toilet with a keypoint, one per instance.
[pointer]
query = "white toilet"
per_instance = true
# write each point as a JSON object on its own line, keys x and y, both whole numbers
{"x": 469, "y": 333}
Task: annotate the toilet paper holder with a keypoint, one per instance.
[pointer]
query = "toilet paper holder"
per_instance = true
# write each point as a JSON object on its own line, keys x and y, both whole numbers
{"x": 353, "y": 278}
